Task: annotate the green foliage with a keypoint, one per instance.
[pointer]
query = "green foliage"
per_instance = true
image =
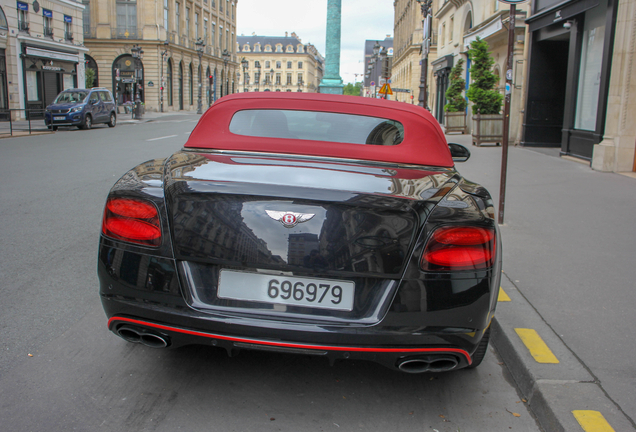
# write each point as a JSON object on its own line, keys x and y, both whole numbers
{"x": 456, "y": 102}
{"x": 353, "y": 90}
{"x": 485, "y": 98}
{"x": 90, "y": 77}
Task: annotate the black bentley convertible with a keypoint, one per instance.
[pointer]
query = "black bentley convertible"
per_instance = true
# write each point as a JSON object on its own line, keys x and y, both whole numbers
{"x": 311, "y": 224}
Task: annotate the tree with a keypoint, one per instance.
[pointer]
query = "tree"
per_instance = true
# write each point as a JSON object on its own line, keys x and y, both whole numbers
{"x": 353, "y": 89}
{"x": 456, "y": 102}
{"x": 90, "y": 77}
{"x": 485, "y": 98}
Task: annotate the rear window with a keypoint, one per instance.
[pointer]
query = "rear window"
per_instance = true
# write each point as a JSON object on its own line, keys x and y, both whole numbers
{"x": 317, "y": 126}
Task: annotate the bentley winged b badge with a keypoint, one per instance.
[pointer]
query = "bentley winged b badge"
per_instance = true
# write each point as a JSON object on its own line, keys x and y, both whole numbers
{"x": 289, "y": 219}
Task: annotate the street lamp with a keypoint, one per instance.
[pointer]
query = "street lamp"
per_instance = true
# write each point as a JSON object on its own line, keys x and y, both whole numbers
{"x": 199, "y": 44}
{"x": 164, "y": 54}
{"x": 137, "y": 54}
{"x": 271, "y": 77}
{"x": 245, "y": 65}
{"x": 425, "y": 5}
{"x": 300, "y": 84}
{"x": 226, "y": 58}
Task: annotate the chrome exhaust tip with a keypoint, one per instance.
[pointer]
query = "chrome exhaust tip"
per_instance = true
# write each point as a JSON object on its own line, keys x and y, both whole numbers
{"x": 136, "y": 335}
{"x": 428, "y": 364}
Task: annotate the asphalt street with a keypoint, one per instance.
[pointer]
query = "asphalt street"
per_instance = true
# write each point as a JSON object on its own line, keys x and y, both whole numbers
{"x": 62, "y": 370}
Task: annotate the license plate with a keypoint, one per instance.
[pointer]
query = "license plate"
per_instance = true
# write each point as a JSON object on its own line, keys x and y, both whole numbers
{"x": 286, "y": 290}
{"x": 59, "y": 118}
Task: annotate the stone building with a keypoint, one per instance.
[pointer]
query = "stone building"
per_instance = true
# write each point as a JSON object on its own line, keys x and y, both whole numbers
{"x": 407, "y": 51}
{"x": 187, "y": 48}
{"x": 460, "y": 22}
{"x": 41, "y": 54}
{"x": 278, "y": 63}
{"x": 377, "y": 66}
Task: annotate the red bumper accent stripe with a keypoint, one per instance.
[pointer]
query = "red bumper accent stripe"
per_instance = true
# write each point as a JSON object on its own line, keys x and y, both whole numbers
{"x": 287, "y": 344}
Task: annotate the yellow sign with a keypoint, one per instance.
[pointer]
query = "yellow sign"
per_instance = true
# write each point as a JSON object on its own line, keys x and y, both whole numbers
{"x": 386, "y": 90}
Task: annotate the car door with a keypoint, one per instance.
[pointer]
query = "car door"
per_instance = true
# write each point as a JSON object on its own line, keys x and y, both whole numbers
{"x": 95, "y": 107}
{"x": 107, "y": 104}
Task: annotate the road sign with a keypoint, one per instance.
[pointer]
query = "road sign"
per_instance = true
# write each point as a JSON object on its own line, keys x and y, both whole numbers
{"x": 386, "y": 89}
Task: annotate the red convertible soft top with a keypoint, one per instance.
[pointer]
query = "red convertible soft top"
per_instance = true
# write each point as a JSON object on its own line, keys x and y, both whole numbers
{"x": 423, "y": 142}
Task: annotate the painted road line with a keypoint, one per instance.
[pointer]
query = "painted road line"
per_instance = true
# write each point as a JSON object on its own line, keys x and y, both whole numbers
{"x": 536, "y": 346}
{"x": 592, "y": 421}
{"x": 502, "y": 295}
{"x": 160, "y": 138}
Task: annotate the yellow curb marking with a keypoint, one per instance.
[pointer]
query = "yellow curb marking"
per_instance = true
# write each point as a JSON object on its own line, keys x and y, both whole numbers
{"x": 592, "y": 421}
{"x": 536, "y": 346}
{"x": 502, "y": 295}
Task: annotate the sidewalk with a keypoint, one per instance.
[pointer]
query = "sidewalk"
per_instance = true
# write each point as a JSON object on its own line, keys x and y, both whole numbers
{"x": 568, "y": 274}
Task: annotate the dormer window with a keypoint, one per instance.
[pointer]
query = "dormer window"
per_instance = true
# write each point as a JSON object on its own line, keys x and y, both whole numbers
{"x": 268, "y": 48}
{"x": 279, "y": 48}
{"x": 246, "y": 48}
{"x": 257, "y": 47}
{"x": 290, "y": 49}
{"x": 300, "y": 48}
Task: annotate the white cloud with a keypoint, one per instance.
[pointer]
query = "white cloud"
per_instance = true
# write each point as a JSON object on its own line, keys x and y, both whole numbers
{"x": 361, "y": 20}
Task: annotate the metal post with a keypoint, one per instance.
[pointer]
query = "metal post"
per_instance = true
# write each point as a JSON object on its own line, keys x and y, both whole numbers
{"x": 199, "y": 46}
{"x": 426, "y": 34}
{"x": 506, "y": 123}
{"x": 162, "y": 83}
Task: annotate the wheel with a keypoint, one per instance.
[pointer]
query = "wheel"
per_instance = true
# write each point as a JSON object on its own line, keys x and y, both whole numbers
{"x": 113, "y": 120}
{"x": 88, "y": 122}
{"x": 54, "y": 128}
{"x": 482, "y": 348}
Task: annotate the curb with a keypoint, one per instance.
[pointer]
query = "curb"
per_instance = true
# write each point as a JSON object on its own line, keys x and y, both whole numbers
{"x": 553, "y": 391}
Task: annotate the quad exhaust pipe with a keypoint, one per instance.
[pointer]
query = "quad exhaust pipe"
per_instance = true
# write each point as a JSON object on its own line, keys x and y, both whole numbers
{"x": 137, "y": 335}
{"x": 441, "y": 363}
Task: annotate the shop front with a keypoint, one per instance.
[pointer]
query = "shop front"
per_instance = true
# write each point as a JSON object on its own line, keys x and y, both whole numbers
{"x": 441, "y": 70}
{"x": 568, "y": 74}
{"x": 46, "y": 74}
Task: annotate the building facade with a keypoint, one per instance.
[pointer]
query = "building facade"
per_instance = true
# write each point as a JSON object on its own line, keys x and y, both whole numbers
{"x": 278, "y": 63}
{"x": 41, "y": 54}
{"x": 406, "y": 72}
{"x": 165, "y": 53}
{"x": 580, "y": 81}
{"x": 459, "y": 22}
{"x": 378, "y": 67}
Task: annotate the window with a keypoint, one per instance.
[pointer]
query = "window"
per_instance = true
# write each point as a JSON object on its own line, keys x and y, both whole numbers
{"x": 68, "y": 28}
{"x": 177, "y": 11}
{"x": 257, "y": 47}
{"x": 220, "y": 5}
{"x": 227, "y": 39}
{"x": 214, "y": 4}
{"x": 450, "y": 28}
{"x": 442, "y": 34}
{"x": 289, "y": 78}
{"x": 32, "y": 86}
{"x": 278, "y": 65}
{"x": 196, "y": 25}
{"x": 205, "y": 29}
{"x": 246, "y": 48}
{"x": 279, "y": 48}
{"x": 278, "y": 80}
{"x": 187, "y": 22}
{"x": 300, "y": 78}
{"x": 300, "y": 65}
{"x": 23, "y": 16}
{"x": 268, "y": 48}
{"x": 220, "y": 36}
{"x": 321, "y": 126}
{"x": 3, "y": 20}
{"x": 127, "y": 19}
{"x": 86, "y": 18}
{"x": 48, "y": 22}
{"x": 165, "y": 14}
{"x": 289, "y": 65}
{"x": 290, "y": 49}
{"x": 213, "y": 34}
{"x": 227, "y": 7}
{"x": 301, "y": 49}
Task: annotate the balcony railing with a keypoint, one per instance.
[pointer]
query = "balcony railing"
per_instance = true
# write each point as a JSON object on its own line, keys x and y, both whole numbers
{"x": 23, "y": 26}
{"x": 68, "y": 36}
{"x": 126, "y": 33}
{"x": 48, "y": 32}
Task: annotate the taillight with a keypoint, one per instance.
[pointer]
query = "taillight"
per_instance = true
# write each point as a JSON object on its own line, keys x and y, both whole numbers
{"x": 132, "y": 220}
{"x": 459, "y": 248}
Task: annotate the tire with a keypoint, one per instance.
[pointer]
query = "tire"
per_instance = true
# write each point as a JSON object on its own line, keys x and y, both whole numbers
{"x": 54, "y": 128}
{"x": 481, "y": 350}
{"x": 88, "y": 122}
{"x": 113, "y": 120}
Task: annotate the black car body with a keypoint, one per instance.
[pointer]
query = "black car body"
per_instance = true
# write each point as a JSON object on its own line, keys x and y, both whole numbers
{"x": 82, "y": 108}
{"x": 266, "y": 240}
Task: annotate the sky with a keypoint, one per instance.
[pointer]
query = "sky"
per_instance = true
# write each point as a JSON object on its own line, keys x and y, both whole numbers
{"x": 361, "y": 20}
